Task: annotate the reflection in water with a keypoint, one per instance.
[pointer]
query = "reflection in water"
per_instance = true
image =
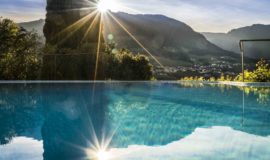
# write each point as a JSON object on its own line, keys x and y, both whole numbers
{"x": 19, "y": 112}
{"x": 172, "y": 112}
{"x": 22, "y": 148}
{"x": 133, "y": 121}
{"x": 73, "y": 122}
{"x": 262, "y": 93}
{"x": 202, "y": 144}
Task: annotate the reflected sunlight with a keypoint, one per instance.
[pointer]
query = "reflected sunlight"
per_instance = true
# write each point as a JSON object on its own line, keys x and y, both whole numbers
{"x": 100, "y": 154}
{"x": 103, "y": 155}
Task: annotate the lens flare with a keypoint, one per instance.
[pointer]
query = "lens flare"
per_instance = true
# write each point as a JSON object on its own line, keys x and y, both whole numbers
{"x": 100, "y": 154}
{"x": 103, "y": 155}
{"x": 106, "y": 5}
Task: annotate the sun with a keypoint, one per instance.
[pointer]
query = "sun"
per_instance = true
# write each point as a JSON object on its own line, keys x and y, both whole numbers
{"x": 107, "y": 5}
{"x": 98, "y": 154}
{"x": 103, "y": 155}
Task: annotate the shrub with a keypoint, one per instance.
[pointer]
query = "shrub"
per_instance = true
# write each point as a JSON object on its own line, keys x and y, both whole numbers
{"x": 260, "y": 74}
{"x": 124, "y": 65}
{"x": 19, "y": 52}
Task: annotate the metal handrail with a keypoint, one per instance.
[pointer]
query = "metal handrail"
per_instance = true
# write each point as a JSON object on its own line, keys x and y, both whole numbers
{"x": 241, "y": 45}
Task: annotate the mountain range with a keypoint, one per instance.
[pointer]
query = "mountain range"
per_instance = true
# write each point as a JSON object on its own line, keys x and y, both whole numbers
{"x": 230, "y": 41}
{"x": 173, "y": 42}
{"x": 36, "y": 26}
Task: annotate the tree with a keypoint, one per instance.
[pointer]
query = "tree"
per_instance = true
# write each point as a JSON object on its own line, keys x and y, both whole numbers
{"x": 19, "y": 52}
{"x": 124, "y": 65}
{"x": 260, "y": 74}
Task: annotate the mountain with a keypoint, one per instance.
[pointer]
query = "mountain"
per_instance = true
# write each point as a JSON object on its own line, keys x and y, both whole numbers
{"x": 171, "y": 41}
{"x": 230, "y": 41}
{"x": 35, "y": 26}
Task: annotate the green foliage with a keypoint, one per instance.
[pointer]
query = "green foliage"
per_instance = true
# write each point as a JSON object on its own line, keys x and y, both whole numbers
{"x": 262, "y": 93}
{"x": 124, "y": 65}
{"x": 211, "y": 79}
{"x": 49, "y": 49}
{"x": 222, "y": 78}
{"x": 193, "y": 79}
{"x": 19, "y": 49}
{"x": 9, "y": 33}
{"x": 69, "y": 64}
{"x": 260, "y": 74}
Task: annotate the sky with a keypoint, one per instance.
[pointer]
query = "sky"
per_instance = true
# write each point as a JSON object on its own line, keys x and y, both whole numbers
{"x": 201, "y": 15}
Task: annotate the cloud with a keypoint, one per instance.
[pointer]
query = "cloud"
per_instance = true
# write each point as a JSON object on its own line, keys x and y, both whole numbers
{"x": 211, "y": 143}
{"x": 204, "y": 143}
{"x": 209, "y": 15}
{"x": 22, "y": 148}
{"x": 23, "y": 10}
{"x": 202, "y": 15}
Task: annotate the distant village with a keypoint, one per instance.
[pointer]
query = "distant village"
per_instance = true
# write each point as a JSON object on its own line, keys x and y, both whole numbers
{"x": 216, "y": 69}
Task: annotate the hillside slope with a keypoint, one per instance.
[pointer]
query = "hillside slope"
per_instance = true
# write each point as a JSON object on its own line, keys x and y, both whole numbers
{"x": 172, "y": 41}
{"x": 229, "y": 41}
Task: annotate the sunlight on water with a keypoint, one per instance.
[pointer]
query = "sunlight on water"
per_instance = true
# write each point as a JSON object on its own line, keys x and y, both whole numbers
{"x": 103, "y": 155}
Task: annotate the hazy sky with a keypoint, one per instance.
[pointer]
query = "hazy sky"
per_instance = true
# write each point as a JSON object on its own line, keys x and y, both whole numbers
{"x": 201, "y": 15}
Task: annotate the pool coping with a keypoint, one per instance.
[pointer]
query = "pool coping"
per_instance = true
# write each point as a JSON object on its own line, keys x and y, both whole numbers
{"x": 247, "y": 84}
{"x": 230, "y": 83}
{"x": 250, "y": 84}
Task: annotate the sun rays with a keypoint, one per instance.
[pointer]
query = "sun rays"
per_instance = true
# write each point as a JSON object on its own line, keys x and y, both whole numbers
{"x": 99, "y": 46}
{"x": 135, "y": 39}
{"x": 98, "y": 18}
{"x": 91, "y": 28}
{"x": 93, "y": 22}
{"x": 71, "y": 29}
{"x": 98, "y": 149}
{"x": 106, "y": 5}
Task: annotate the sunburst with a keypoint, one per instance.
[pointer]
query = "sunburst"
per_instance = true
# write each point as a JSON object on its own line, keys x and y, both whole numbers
{"x": 102, "y": 12}
{"x": 108, "y": 5}
{"x": 99, "y": 16}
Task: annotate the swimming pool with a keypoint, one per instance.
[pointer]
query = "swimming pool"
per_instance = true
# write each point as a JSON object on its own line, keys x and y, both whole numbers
{"x": 134, "y": 120}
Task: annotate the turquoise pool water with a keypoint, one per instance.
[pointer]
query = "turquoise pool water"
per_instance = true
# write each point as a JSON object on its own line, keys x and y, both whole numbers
{"x": 134, "y": 121}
